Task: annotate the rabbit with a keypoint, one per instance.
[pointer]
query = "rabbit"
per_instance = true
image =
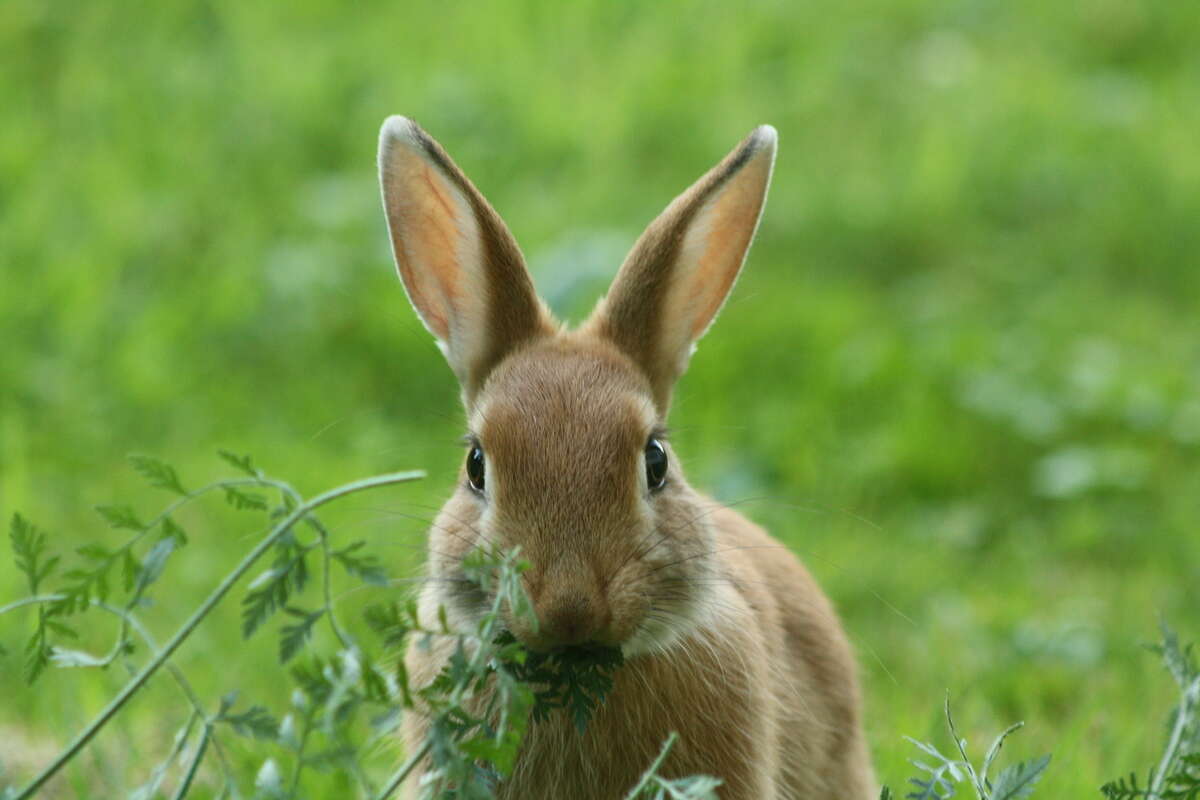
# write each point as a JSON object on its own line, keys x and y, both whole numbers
{"x": 727, "y": 639}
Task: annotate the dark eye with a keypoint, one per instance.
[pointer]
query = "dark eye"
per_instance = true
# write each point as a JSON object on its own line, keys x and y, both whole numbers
{"x": 656, "y": 464}
{"x": 475, "y": 468}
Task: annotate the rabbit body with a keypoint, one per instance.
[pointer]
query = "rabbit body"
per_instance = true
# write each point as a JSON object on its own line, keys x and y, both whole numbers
{"x": 728, "y": 640}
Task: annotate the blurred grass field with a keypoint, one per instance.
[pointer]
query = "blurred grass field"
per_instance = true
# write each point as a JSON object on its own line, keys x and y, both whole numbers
{"x": 960, "y": 374}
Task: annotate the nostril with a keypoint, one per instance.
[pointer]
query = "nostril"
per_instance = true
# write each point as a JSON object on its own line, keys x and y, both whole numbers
{"x": 568, "y": 620}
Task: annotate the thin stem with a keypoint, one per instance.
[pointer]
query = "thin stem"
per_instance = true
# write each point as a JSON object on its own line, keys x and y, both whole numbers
{"x": 405, "y": 768}
{"x": 651, "y": 772}
{"x": 327, "y": 581}
{"x": 198, "y": 616}
{"x": 131, "y": 621}
{"x": 194, "y": 764}
{"x": 300, "y": 754}
{"x": 1182, "y": 720}
{"x": 29, "y": 601}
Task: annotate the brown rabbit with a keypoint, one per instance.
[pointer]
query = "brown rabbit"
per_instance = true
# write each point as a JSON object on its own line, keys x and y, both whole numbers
{"x": 727, "y": 638}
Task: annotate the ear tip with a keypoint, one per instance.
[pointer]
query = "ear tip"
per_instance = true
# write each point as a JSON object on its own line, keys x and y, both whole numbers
{"x": 764, "y": 137}
{"x": 400, "y": 131}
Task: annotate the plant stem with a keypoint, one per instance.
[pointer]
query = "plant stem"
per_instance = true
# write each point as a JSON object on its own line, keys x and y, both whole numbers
{"x": 131, "y": 621}
{"x": 194, "y": 764}
{"x": 328, "y": 590}
{"x": 300, "y": 754}
{"x": 198, "y": 616}
{"x": 402, "y": 773}
{"x": 650, "y": 773}
{"x": 1182, "y": 720}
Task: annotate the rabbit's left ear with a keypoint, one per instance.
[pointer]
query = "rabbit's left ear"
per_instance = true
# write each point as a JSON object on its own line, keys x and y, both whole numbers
{"x": 679, "y": 272}
{"x": 461, "y": 267}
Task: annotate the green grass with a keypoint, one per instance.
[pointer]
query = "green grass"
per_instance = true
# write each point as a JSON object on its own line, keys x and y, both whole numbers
{"x": 960, "y": 375}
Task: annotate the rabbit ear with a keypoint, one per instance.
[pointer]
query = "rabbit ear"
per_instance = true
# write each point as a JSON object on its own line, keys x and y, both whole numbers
{"x": 460, "y": 266}
{"x": 679, "y": 272}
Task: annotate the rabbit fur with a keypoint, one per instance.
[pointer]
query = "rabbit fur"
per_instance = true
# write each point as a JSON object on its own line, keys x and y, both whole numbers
{"x": 727, "y": 638}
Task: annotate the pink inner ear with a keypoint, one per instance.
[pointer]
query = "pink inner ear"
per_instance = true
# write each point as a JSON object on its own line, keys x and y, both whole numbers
{"x": 730, "y": 222}
{"x": 431, "y": 239}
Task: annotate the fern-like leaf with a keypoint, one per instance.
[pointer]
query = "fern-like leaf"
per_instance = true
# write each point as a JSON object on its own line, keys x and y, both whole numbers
{"x": 1017, "y": 781}
{"x": 242, "y": 464}
{"x": 245, "y": 501}
{"x": 158, "y": 473}
{"x": 293, "y": 637}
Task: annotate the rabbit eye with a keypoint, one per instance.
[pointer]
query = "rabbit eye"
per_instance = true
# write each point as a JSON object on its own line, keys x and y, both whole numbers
{"x": 656, "y": 464}
{"x": 475, "y": 468}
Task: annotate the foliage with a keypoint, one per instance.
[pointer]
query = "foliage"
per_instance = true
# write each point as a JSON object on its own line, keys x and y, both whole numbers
{"x": 478, "y": 707}
{"x": 654, "y": 787}
{"x": 576, "y": 679}
{"x": 940, "y": 777}
{"x": 1177, "y": 776}
{"x": 964, "y": 343}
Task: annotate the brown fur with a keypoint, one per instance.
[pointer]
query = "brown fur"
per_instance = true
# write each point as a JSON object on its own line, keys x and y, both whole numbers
{"x": 729, "y": 641}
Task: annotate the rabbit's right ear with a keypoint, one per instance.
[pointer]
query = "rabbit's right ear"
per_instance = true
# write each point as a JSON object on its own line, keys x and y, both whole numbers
{"x": 460, "y": 266}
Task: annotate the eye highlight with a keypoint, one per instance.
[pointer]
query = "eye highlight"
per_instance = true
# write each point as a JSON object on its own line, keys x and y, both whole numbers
{"x": 475, "y": 468}
{"x": 656, "y": 465}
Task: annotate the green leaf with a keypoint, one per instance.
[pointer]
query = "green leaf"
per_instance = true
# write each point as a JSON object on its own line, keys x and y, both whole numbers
{"x": 130, "y": 568}
{"x": 241, "y": 463}
{"x": 364, "y": 567}
{"x": 37, "y": 653}
{"x": 1178, "y": 659}
{"x": 1120, "y": 790}
{"x": 243, "y": 501}
{"x": 268, "y": 782}
{"x": 95, "y": 552}
{"x": 271, "y": 589}
{"x": 29, "y": 546}
{"x": 156, "y": 561}
{"x": 63, "y": 657}
{"x": 121, "y": 517}
{"x": 1016, "y": 782}
{"x": 577, "y": 679}
{"x": 255, "y": 722}
{"x": 943, "y": 775}
{"x": 157, "y": 473}
{"x": 387, "y": 623}
{"x": 293, "y": 637}
{"x": 171, "y": 530}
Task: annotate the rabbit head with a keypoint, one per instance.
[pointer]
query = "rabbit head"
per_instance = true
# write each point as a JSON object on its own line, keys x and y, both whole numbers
{"x": 567, "y": 455}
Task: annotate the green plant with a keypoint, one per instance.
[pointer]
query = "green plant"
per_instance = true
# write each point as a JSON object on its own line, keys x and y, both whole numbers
{"x": 474, "y": 735}
{"x": 939, "y": 779}
{"x": 1176, "y": 777}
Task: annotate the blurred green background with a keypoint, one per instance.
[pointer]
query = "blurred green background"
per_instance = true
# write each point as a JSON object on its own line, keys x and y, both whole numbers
{"x": 960, "y": 374}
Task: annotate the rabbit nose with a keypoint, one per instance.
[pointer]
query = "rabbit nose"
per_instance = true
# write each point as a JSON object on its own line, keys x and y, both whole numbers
{"x": 568, "y": 618}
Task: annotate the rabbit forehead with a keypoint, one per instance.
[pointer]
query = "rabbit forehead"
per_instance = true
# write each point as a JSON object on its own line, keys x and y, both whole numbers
{"x": 564, "y": 419}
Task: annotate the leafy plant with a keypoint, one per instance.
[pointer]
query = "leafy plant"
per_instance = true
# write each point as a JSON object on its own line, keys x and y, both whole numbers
{"x": 1175, "y": 777}
{"x": 479, "y": 707}
{"x": 940, "y": 778}
{"x": 1177, "y": 774}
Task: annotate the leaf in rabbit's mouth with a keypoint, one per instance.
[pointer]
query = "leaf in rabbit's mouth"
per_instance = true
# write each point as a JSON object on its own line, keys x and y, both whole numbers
{"x": 576, "y": 679}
